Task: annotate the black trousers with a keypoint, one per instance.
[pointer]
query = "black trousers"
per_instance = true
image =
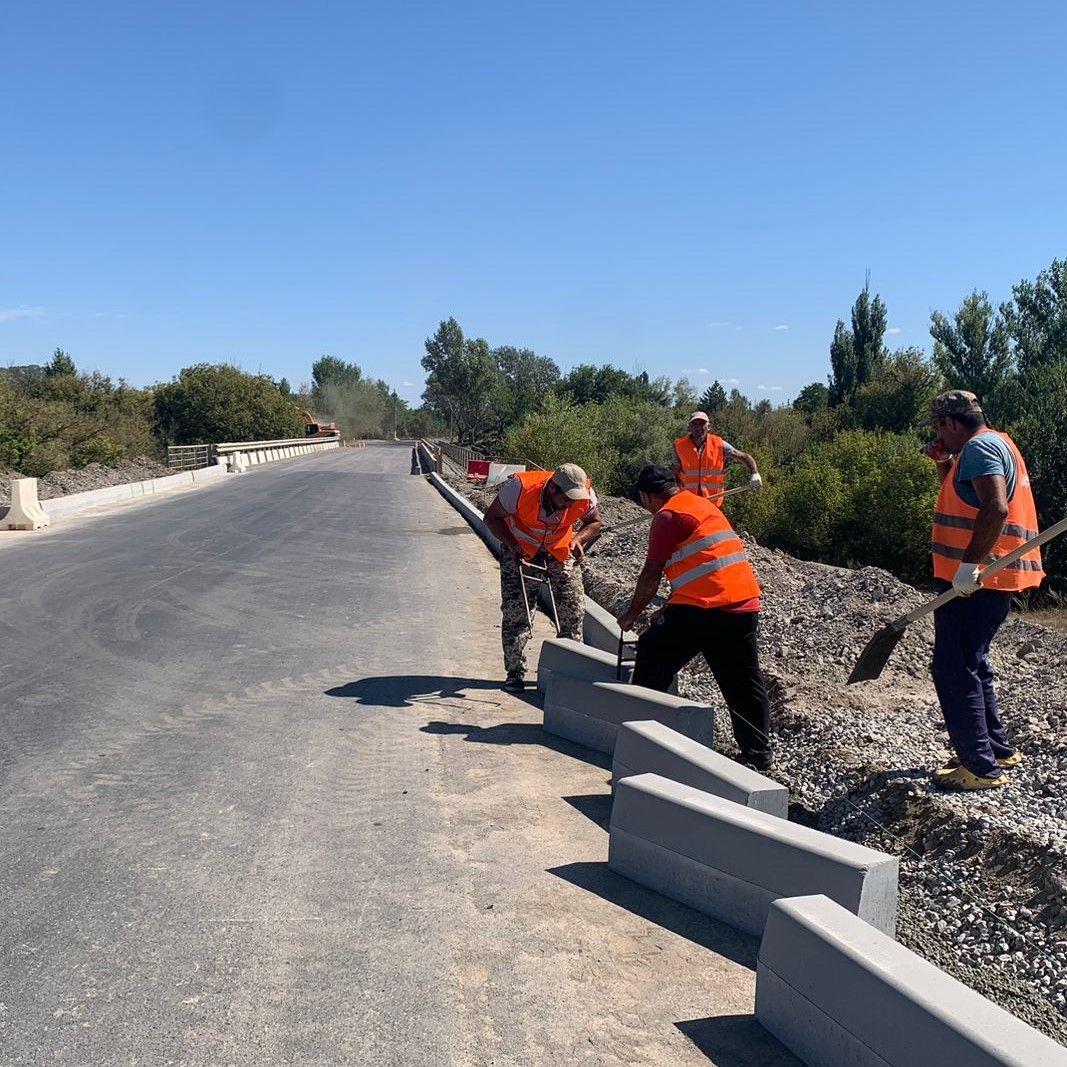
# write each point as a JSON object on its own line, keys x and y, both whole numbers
{"x": 728, "y": 641}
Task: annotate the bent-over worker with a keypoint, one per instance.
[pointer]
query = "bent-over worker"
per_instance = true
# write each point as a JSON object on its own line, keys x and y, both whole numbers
{"x": 700, "y": 460}
{"x": 713, "y": 607}
{"x": 547, "y": 517}
{"x": 985, "y": 510}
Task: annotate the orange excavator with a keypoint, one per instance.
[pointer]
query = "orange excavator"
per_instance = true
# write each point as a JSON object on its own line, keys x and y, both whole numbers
{"x": 319, "y": 429}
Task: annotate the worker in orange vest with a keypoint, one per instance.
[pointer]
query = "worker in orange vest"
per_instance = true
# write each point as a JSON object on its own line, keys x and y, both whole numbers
{"x": 545, "y": 517}
{"x": 985, "y": 509}
{"x": 713, "y": 607}
{"x": 700, "y": 460}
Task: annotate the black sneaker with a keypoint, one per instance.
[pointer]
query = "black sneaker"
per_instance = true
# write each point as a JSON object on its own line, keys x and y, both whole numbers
{"x": 514, "y": 683}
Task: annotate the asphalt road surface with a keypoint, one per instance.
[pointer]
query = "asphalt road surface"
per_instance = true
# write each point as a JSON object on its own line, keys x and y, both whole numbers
{"x": 263, "y": 802}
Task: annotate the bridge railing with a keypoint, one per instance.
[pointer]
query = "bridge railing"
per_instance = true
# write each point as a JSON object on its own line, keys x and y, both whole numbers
{"x": 189, "y": 457}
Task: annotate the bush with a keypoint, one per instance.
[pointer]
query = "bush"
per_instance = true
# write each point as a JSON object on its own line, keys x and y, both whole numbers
{"x": 208, "y": 403}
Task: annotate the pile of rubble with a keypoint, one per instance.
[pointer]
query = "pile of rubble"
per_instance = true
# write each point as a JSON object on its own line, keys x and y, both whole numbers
{"x": 93, "y": 476}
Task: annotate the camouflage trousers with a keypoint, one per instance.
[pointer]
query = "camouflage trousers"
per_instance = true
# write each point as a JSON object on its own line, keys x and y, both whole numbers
{"x": 515, "y": 629}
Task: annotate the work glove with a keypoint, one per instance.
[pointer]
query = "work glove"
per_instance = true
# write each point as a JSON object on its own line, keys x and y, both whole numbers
{"x": 966, "y": 580}
{"x": 755, "y": 483}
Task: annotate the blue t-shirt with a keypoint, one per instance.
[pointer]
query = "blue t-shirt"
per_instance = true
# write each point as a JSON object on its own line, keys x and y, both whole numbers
{"x": 985, "y": 453}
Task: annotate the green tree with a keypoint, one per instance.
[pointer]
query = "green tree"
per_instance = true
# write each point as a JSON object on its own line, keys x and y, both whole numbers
{"x": 527, "y": 378}
{"x": 971, "y": 349}
{"x": 209, "y": 403}
{"x": 713, "y": 398}
{"x": 812, "y": 398}
{"x": 856, "y": 354}
{"x": 1036, "y": 318}
{"x": 897, "y": 398}
{"x": 685, "y": 397}
{"x": 61, "y": 365}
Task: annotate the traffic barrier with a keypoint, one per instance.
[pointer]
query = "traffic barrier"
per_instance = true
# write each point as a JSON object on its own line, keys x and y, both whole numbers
{"x": 573, "y": 658}
{"x": 592, "y": 712}
{"x": 25, "y": 512}
{"x": 839, "y": 993}
{"x": 653, "y": 747}
{"x": 732, "y": 862}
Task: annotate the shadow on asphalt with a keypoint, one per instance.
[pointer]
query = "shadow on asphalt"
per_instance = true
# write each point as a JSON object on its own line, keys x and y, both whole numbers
{"x": 737, "y": 1041}
{"x": 518, "y": 733}
{"x": 685, "y": 922}
{"x": 403, "y": 690}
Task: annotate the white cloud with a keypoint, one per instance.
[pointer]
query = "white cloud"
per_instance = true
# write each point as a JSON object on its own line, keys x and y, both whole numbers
{"x": 730, "y": 381}
{"x": 23, "y": 312}
{"x": 407, "y": 383}
{"x": 695, "y": 370}
{"x": 784, "y": 326}
{"x": 894, "y": 329}
{"x": 718, "y": 322}
{"x": 769, "y": 388}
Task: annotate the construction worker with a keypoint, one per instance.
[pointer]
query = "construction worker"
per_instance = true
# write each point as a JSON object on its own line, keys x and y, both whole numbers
{"x": 713, "y": 607}
{"x": 545, "y": 518}
{"x": 985, "y": 510}
{"x": 700, "y": 460}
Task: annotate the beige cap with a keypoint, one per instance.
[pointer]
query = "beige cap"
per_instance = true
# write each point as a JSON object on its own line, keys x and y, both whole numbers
{"x": 956, "y": 402}
{"x": 701, "y": 415}
{"x": 571, "y": 479}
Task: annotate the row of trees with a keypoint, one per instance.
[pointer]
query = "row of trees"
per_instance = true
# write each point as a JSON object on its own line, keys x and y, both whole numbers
{"x": 53, "y": 417}
{"x": 845, "y": 480}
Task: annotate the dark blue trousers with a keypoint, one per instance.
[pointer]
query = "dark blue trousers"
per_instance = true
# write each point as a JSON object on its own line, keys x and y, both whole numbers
{"x": 963, "y": 676}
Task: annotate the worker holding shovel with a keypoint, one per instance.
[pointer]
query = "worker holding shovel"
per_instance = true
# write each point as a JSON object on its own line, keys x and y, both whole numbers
{"x": 544, "y": 520}
{"x": 985, "y": 510}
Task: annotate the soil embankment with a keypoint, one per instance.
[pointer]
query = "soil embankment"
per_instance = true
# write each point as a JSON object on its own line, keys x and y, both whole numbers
{"x": 94, "y": 476}
{"x": 983, "y": 876}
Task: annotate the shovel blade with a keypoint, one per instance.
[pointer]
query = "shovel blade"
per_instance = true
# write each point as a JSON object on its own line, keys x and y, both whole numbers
{"x": 876, "y": 655}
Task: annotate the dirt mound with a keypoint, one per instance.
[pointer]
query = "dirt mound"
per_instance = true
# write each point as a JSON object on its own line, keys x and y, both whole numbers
{"x": 94, "y": 476}
{"x": 983, "y": 888}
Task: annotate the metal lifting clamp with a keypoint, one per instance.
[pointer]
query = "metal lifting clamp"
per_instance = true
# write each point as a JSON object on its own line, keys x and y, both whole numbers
{"x": 535, "y": 572}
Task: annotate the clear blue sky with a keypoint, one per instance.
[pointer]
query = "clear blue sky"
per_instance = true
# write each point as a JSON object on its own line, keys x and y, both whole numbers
{"x": 663, "y": 185}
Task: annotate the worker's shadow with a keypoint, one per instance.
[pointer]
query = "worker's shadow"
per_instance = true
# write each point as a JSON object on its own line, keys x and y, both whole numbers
{"x": 406, "y": 690}
{"x": 517, "y": 733}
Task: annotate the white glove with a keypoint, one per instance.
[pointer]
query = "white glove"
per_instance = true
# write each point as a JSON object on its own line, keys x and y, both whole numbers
{"x": 966, "y": 579}
{"x": 755, "y": 483}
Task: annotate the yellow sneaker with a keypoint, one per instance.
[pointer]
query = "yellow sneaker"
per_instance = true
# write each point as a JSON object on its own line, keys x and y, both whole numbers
{"x": 962, "y": 779}
{"x": 1007, "y": 762}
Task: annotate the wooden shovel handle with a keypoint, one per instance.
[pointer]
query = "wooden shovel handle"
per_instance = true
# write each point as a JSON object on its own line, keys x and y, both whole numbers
{"x": 997, "y": 565}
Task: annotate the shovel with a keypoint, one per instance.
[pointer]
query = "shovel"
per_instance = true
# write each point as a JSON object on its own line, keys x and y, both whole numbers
{"x": 880, "y": 647}
{"x": 646, "y": 518}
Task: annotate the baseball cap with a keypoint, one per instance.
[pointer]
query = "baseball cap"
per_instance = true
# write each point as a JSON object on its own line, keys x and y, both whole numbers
{"x": 653, "y": 479}
{"x": 956, "y": 402}
{"x": 702, "y": 415}
{"x": 571, "y": 479}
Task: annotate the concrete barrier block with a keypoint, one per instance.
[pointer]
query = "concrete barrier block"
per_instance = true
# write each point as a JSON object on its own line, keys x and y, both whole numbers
{"x": 591, "y": 713}
{"x": 572, "y": 657}
{"x": 837, "y": 992}
{"x": 25, "y": 511}
{"x": 732, "y": 862}
{"x": 652, "y": 747}
{"x": 600, "y": 629}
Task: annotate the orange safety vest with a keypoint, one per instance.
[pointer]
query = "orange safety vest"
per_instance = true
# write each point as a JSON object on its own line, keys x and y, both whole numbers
{"x": 531, "y": 531}
{"x": 710, "y": 568}
{"x": 954, "y": 526}
{"x": 703, "y": 472}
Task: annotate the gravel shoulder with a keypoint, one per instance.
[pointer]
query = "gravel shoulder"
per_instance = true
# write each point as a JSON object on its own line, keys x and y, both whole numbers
{"x": 983, "y": 877}
{"x": 94, "y": 476}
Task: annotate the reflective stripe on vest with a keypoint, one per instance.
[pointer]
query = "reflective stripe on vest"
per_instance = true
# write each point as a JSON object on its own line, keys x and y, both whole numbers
{"x": 703, "y": 472}
{"x": 954, "y": 522}
{"x": 531, "y": 531}
{"x": 710, "y": 568}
